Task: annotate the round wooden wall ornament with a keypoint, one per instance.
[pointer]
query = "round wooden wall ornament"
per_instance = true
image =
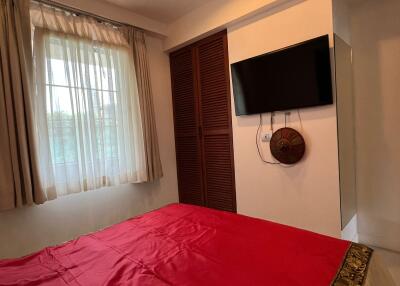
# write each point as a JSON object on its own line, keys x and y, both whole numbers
{"x": 287, "y": 145}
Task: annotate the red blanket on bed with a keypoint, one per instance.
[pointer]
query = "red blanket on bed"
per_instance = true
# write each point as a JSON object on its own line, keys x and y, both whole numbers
{"x": 184, "y": 245}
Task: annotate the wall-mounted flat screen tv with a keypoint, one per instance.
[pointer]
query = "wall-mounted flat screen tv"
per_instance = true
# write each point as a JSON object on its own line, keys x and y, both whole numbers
{"x": 291, "y": 78}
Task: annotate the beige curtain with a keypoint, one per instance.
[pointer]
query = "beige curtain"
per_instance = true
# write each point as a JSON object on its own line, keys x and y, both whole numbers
{"x": 86, "y": 104}
{"x": 134, "y": 38}
{"x": 68, "y": 24}
{"x": 137, "y": 42}
{"x": 19, "y": 179}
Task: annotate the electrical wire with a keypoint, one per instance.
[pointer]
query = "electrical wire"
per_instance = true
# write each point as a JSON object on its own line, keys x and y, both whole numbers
{"x": 272, "y": 123}
{"x": 285, "y": 118}
{"x": 301, "y": 122}
{"x": 257, "y": 139}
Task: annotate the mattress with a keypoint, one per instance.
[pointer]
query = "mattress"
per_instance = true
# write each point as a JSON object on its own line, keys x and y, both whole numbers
{"x": 189, "y": 245}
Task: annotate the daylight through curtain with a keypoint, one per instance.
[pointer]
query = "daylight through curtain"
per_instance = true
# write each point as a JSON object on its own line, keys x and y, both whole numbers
{"x": 86, "y": 103}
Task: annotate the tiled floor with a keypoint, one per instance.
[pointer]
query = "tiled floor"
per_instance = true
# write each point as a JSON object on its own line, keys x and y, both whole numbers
{"x": 392, "y": 261}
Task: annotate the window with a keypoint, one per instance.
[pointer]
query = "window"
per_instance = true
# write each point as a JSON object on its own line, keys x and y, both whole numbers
{"x": 87, "y": 113}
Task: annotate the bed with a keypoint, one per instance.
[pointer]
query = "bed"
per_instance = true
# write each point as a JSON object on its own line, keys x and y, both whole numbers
{"x": 189, "y": 245}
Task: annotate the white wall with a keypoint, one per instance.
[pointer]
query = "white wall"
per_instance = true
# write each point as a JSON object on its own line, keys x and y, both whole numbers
{"x": 346, "y": 129}
{"x": 345, "y": 111}
{"x": 215, "y": 16}
{"x": 341, "y": 19}
{"x": 117, "y": 13}
{"x": 376, "y": 54}
{"x": 29, "y": 229}
{"x": 307, "y": 194}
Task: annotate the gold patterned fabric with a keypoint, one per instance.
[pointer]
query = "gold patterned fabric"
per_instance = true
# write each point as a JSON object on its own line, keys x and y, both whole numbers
{"x": 354, "y": 268}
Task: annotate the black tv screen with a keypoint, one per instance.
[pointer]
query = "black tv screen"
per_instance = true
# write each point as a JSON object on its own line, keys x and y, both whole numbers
{"x": 294, "y": 77}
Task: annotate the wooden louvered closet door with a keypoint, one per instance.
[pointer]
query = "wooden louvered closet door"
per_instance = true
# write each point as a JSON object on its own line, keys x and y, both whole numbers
{"x": 187, "y": 137}
{"x": 204, "y": 148}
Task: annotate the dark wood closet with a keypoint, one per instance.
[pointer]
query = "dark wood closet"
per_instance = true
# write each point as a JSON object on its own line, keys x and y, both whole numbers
{"x": 203, "y": 128}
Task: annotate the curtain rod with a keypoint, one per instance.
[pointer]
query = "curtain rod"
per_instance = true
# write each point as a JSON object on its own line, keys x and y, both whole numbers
{"x": 82, "y": 12}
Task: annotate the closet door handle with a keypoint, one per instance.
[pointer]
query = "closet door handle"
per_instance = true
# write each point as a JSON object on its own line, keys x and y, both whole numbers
{"x": 200, "y": 131}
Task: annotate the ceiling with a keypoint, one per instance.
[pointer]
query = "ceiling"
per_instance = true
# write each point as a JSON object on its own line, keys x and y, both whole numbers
{"x": 165, "y": 11}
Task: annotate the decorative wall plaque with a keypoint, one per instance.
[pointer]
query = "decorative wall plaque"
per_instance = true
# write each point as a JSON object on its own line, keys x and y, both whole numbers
{"x": 287, "y": 146}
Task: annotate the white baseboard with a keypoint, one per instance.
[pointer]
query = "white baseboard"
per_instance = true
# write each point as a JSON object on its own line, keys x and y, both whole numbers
{"x": 350, "y": 230}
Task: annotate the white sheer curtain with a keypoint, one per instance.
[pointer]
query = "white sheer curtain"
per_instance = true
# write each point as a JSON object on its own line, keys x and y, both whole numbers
{"x": 86, "y": 104}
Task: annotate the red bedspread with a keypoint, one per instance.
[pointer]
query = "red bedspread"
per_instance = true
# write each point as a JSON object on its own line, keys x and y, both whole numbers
{"x": 184, "y": 245}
